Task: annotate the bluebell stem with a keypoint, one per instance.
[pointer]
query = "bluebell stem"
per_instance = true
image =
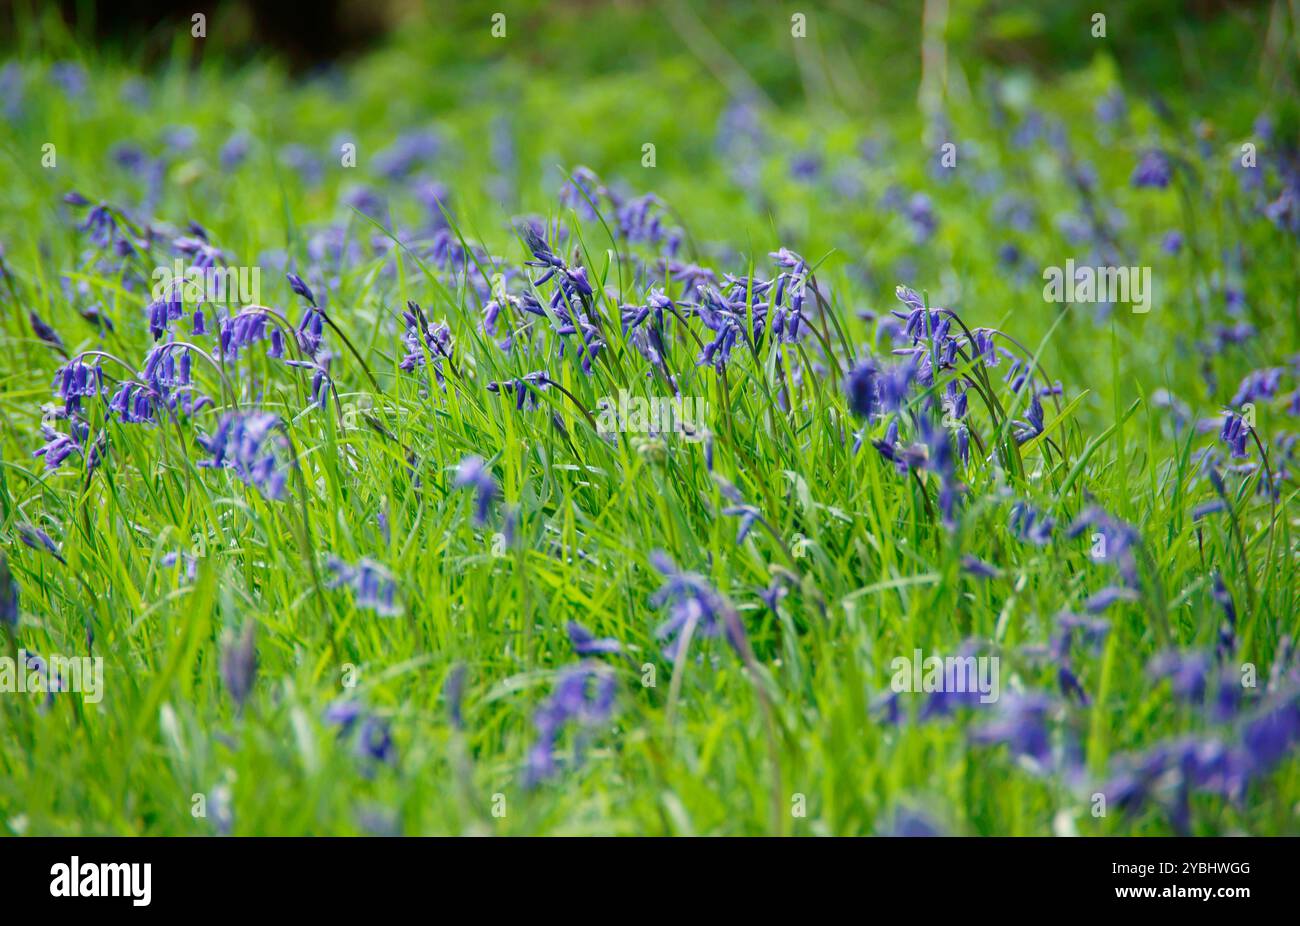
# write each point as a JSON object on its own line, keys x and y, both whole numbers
{"x": 473, "y": 473}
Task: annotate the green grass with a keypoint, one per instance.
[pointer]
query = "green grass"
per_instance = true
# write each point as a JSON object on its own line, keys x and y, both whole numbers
{"x": 720, "y": 743}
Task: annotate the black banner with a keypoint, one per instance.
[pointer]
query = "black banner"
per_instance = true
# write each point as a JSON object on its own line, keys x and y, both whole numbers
{"x": 338, "y": 875}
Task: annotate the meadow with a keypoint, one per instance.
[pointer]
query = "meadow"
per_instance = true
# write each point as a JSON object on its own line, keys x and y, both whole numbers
{"x": 633, "y": 403}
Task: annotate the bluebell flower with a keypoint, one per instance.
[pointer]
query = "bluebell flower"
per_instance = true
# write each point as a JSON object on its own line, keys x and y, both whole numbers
{"x": 302, "y": 289}
{"x": 1021, "y": 725}
{"x": 1186, "y": 671}
{"x": 424, "y": 339}
{"x": 8, "y": 595}
{"x": 243, "y": 442}
{"x": 524, "y": 389}
{"x": 37, "y": 539}
{"x": 1205, "y": 509}
{"x": 44, "y": 331}
{"x": 1172, "y": 243}
{"x": 1258, "y": 385}
{"x": 573, "y": 700}
{"x": 242, "y": 330}
{"x": 77, "y": 380}
{"x": 372, "y": 585}
{"x": 691, "y": 600}
{"x": 1154, "y": 170}
{"x": 1108, "y": 596}
{"x": 234, "y": 151}
{"x": 977, "y": 567}
{"x": 585, "y": 643}
{"x": 473, "y": 473}
{"x": 1032, "y": 426}
{"x": 371, "y": 735}
{"x": 239, "y": 665}
{"x": 1120, "y": 540}
{"x": 1234, "y": 434}
{"x": 1031, "y": 525}
{"x": 58, "y": 447}
{"x": 863, "y": 393}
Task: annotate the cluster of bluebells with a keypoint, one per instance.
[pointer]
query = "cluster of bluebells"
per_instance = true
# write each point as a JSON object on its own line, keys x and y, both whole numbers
{"x": 583, "y": 696}
{"x": 370, "y": 735}
{"x": 694, "y": 604}
{"x": 372, "y": 585}
{"x": 247, "y": 444}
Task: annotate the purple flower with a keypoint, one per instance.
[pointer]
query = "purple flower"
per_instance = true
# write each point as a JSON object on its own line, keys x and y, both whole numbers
{"x": 1235, "y": 433}
{"x": 8, "y": 595}
{"x": 243, "y": 442}
{"x": 77, "y": 380}
{"x": 691, "y": 601}
{"x": 863, "y": 393}
{"x": 573, "y": 700}
{"x": 977, "y": 567}
{"x": 1118, "y": 540}
{"x": 1033, "y": 425}
{"x": 372, "y": 585}
{"x": 473, "y": 473}
{"x": 239, "y": 665}
{"x": 372, "y": 739}
{"x": 44, "y": 331}
{"x": 1021, "y": 725}
{"x": 1107, "y": 597}
{"x": 37, "y": 539}
{"x": 301, "y": 288}
{"x": 1154, "y": 170}
{"x": 1186, "y": 671}
{"x": 1259, "y": 384}
{"x": 1205, "y": 509}
{"x": 1031, "y": 525}
{"x": 585, "y": 642}
{"x": 524, "y": 389}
